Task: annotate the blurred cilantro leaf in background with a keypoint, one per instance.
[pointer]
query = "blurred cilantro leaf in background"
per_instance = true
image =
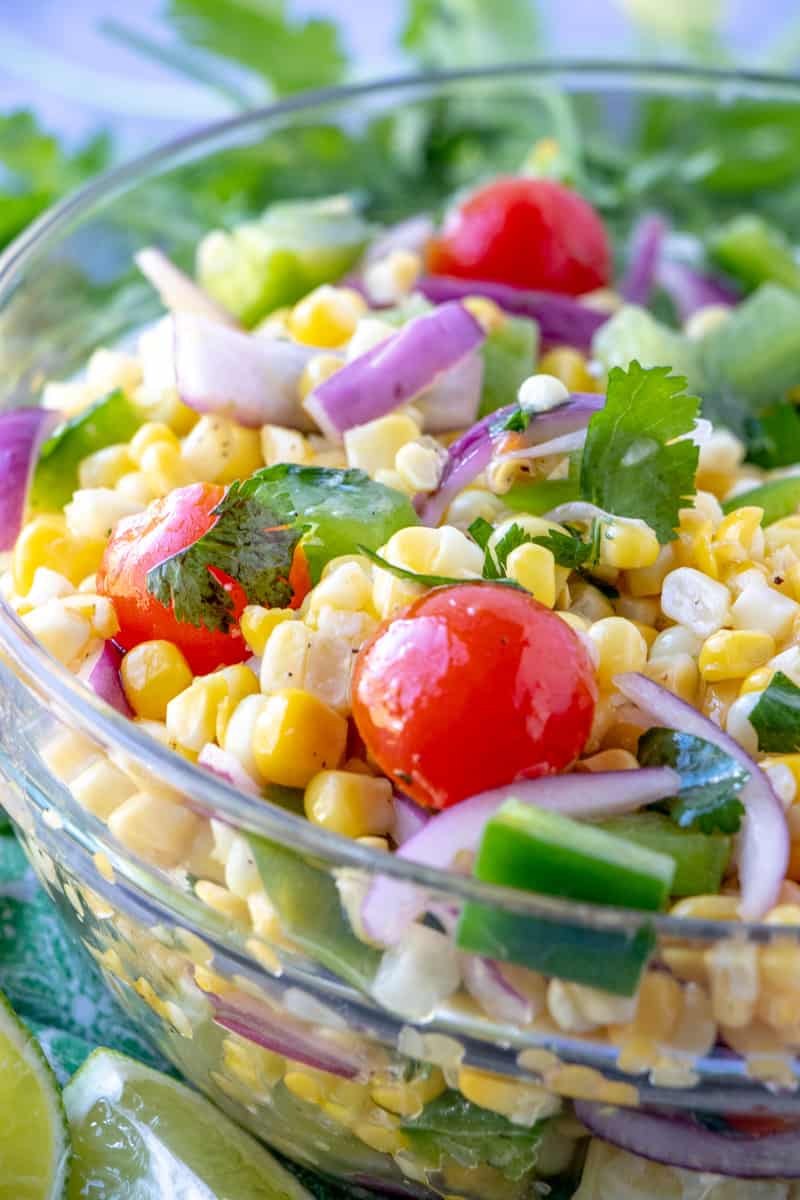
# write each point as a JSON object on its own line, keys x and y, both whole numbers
{"x": 446, "y": 33}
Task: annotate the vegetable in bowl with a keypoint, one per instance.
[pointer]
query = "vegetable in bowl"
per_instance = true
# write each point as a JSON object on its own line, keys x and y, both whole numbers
{"x": 499, "y": 606}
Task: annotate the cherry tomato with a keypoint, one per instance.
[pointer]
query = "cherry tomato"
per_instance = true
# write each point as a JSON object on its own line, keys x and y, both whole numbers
{"x": 759, "y": 1124}
{"x": 532, "y": 233}
{"x": 471, "y": 687}
{"x": 146, "y": 539}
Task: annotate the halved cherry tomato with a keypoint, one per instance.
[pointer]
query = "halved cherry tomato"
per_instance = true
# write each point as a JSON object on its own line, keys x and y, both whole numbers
{"x": 146, "y": 539}
{"x": 760, "y": 1124}
{"x": 471, "y": 687}
{"x": 531, "y": 233}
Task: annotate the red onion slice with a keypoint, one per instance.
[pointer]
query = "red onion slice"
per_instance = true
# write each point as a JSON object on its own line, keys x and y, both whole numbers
{"x": 561, "y": 319}
{"x": 392, "y": 904}
{"x": 254, "y": 380}
{"x": 472, "y": 452}
{"x": 226, "y": 766}
{"x": 395, "y": 371}
{"x": 560, "y": 445}
{"x": 680, "y": 1141}
{"x": 644, "y": 256}
{"x": 409, "y": 818}
{"x": 178, "y": 292}
{"x": 277, "y": 1031}
{"x": 22, "y": 431}
{"x": 764, "y": 837}
{"x": 105, "y": 681}
{"x": 690, "y": 289}
{"x": 455, "y": 397}
{"x": 488, "y": 983}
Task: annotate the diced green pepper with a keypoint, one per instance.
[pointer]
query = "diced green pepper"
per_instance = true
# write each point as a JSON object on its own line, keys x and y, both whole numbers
{"x": 109, "y": 420}
{"x": 634, "y": 333}
{"x": 307, "y": 902}
{"x": 541, "y": 495}
{"x": 755, "y": 353}
{"x": 755, "y": 252}
{"x": 296, "y": 246}
{"x": 780, "y": 498}
{"x": 534, "y": 850}
{"x": 701, "y": 859}
{"x": 509, "y": 356}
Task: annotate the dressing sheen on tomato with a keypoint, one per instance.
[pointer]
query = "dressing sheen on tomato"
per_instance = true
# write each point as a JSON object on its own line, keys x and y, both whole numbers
{"x": 530, "y": 233}
{"x": 146, "y": 539}
{"x": 469, "y": 688}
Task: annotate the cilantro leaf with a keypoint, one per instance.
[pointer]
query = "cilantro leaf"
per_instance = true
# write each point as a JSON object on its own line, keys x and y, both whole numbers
{"x": 415, "y": 576}
{"x": 776, "y": 717}
{"x": 250, "y": 543}
{"x": 513, "y": 538}
{"x": 569, "y": 549}
{"x": 480, "y": 531}
{"x": 632, "y": 466}
{"x": 518, "y": 421}
{"x": 711, "y": 780}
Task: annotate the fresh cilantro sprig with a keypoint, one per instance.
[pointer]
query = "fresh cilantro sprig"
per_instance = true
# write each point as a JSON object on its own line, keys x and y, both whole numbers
{"x": 402, "y": 573}
{"x": 776, "y": 717}
{"x": 494, "y": 560}
{"x": 632, "y": 464}
{"x": 569, "y": 549}
{"x": 711, "y": 780}
{"x": 250, "y": 543}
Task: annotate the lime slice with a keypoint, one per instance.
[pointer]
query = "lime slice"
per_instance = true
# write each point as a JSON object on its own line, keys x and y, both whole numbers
{"x": 34, "y": 1141}
{"x": 139, "y": 1135}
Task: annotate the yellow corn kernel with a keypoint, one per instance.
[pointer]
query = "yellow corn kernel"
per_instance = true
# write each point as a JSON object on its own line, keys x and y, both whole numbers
{"x": 534, "y": 567}
{"x": 783, "y": 533}
{"x": 255, "y": 1067}
{"x": 390, "y": 278}
{"x": 407, "y": 1099}
{"x": 354, "y": 805}
{"x": 385, "y": 1141}
{"x": 257, "y": 623}
{"x": 155, "y": 827}
{"x": 281, "y": 445}
{"x": 373, "y": 447}
{"x": 628, "y": 545}
{"x": 734, "y": 653}
{"x": 568, "y": 365}
{"x": 101, "y": 787}
{"x": 678, "y": 673}
{"x": 575, "y": 621}
{"x": 46, "y": 542}
{"x": 295, "y": 736}
{"x": 305, "y": 1086}
{"x": 588, "y": 602}
{"x": 586, "y": 1083}
{"x": 152, "y": 433}
{"x": 757, "y": 681}
{"x": 524, "y": 1102}
{"x": 163, "y": 468}
{"x": 218, "y": 450}
{"x": 489, "y": 315}
{"x": 104, "y": 468}
{"x": 735, "y": 538}
{"x": 222, "y": 901}
{"x": 316, "y": 371}
{"x": 64, "y": 634}
{"x": 191, "y": 716}
{"x": 152, "y": 674}
{"x": 733, "y": 972}
{"x": 707, "y": 908}
{"x": 348, "y": 588}
{"x": 641, "y": 1040}
{"x": 647, "y": 581}
{"x": 609, "y": 760}
{"x": 620, "y": 647}
{"x": 327, "y": 316}
{"x": 443, "y": 551}
{"x": 717, "y": 698}
{"x": 792, "y": 761}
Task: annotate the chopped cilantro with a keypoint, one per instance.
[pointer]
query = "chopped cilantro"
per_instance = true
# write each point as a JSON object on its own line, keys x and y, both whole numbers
{"x": 402, "y": 573}
{"x": 480, "y": 531}
{"x": 632, "y": 465}
{"x": 250, "y": 543}
{"x": 513, "y": 538}
{"x": 518, "y": 421}
{"x": 711, "y": 780}
{"x": 776, "y": 717}
{"x": 569, "y": 549}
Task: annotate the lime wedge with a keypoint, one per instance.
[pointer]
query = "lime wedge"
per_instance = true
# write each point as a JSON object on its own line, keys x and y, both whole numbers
{"x": 139, "y": 1135}
{"x": 34, "y": 1141}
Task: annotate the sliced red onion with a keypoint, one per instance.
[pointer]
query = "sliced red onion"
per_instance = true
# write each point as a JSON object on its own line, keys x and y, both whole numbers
{"x": 488, "y": 983}
{"x": 105, "y": 681}
{"x": 179, "y": 292}
{"x": 254, "y": 380}
{"x": 395, "y": 371}
{"x": 561, "y": 319}
{"x": 472, "y": 452}
{"x": 764, "y": 837}
{"x": 644, "y": 256}
{"x": 409, "y": 818}
{"x": 680, "y": 1141}
{"x": 560, "y": 445}
{"x": 227, "y": 766}
{"x": 690, "y": 289}
{"x": 22, "y": 431}
{"x": 391, "y": 905}
{"x": 412, "y": 234}
{"x": 278, "y": 1032}
{"x": 454, "y": 399}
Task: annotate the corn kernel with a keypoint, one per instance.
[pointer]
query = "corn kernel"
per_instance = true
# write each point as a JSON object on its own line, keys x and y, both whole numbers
{"x": 588, "y": 602}
{"x": 734, "y": 653}
{"x": 692, "y": 599}
{"x": 392, "y": 277}
{"x": 327, "y": 316}
{"x": 222, "y": 901}
{"x": 408, "y": 1098}
{"x": 628, "y": 545}
{"x": 152, "y": 433}
{"x": 218, "y": 450}
{"x": 99, "y": 611}
{"x": 191, "y": 716}
{"x": 733, "y": 974}
{"x": 760, "y": 607}
{"x": 620, "y": 648}
{"x": 152, "y": 674}
{"x": 568, "y": 365}
{"x": 163, "y": 468}
{"x": 374, "y": 446}
{"x": 280, "y": 445}
{"x": 238, "y": 735}
{"x": 295, "y": 736}
{"x": 155, "y": 827}
{"x": 419, "y": 465}
{"x": 489, "y": 315}
{"x": 757, "y": 680}
{"x": 534, "y": 568}
{"x": 64, "y": 634}
{"x": 257, "y": 623}
{"x": 443, "y": 551}
{"x": 385, "y": 1141}
{"x": 105, "y": 468}
{"x": 647, "y": 581}
{"x": 347, "y": 588}
{"x": 354, "y": 805}
{"x": 523, "y": 1103}
{"x": 46, "y": 542}
{"x": 541, "y": 392}
{"x": 101, "y": 787}
{"x": 677, "y": 673}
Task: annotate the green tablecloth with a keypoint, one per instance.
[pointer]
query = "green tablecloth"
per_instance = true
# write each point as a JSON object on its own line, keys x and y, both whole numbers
{"x": 52, "y": 984}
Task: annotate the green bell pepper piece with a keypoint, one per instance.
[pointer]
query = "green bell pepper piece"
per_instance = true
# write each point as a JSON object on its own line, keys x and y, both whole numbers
{"x": 755, "y": 354}
{"x": 509, "y": 356}
{"x": 755, "y": 252}
{"x": 541, "y": 495}
{"x": 701, "y": 859}
{"x": 780, "y": 498}
{"x": 110, "y": 420}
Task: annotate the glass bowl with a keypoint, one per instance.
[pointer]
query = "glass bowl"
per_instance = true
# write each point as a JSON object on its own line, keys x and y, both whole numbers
{"x": 269, "y": 1004}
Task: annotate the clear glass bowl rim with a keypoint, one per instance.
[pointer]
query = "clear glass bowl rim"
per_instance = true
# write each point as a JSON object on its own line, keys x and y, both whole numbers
{"x": 66, "y": 692}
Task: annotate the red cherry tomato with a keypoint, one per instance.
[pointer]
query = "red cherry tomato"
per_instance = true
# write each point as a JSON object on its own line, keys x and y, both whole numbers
{"x": 471, "y": 687}
{"x": 531, "y": 233}
{"x": 146, "y": 539}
